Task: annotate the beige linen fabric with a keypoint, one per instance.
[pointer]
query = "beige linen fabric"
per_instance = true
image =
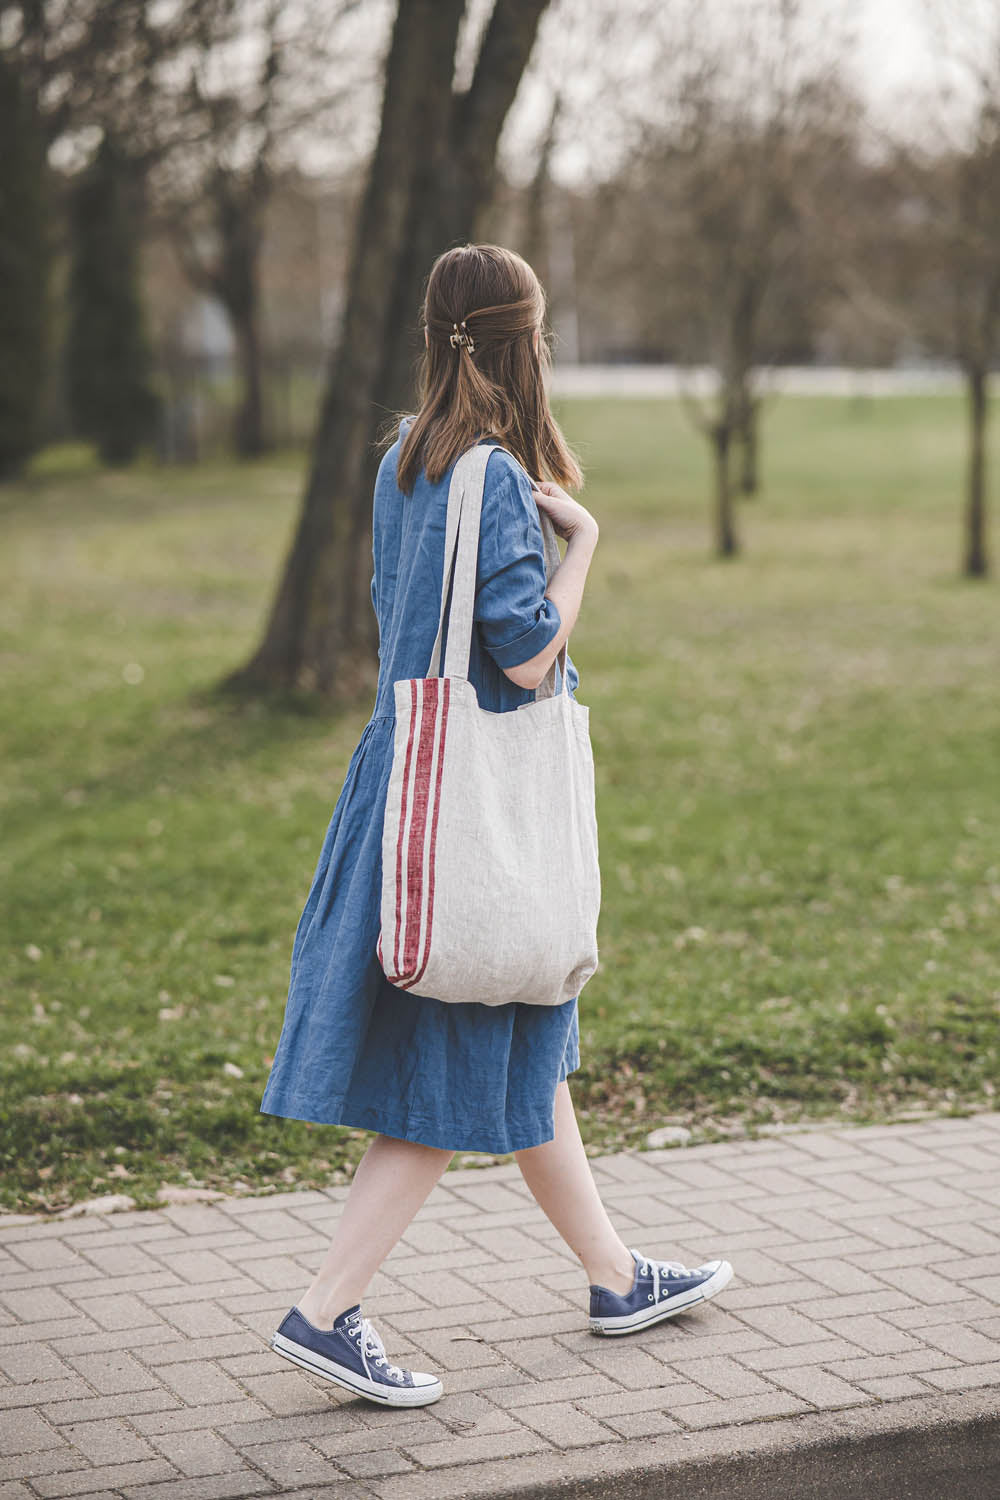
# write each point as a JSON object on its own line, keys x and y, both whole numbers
{"x": 490, "y": 877}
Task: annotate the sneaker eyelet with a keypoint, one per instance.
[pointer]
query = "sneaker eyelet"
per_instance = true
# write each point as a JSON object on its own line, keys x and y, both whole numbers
{"x": 650, "y": 1297}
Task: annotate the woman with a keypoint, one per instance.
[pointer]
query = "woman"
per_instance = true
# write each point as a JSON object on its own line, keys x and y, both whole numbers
{"x": 432, "y": 1078}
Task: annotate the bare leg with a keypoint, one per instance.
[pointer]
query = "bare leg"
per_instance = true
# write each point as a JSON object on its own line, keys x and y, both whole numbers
{"x": 391, "y": 1182}
{"x": 559, "y": 1176}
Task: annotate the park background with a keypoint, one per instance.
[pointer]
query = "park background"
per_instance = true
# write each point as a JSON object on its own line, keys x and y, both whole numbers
{"x": 771, "y": 243}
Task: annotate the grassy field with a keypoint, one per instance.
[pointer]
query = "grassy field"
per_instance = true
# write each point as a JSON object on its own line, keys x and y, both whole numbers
{"x": 798, "y": 783}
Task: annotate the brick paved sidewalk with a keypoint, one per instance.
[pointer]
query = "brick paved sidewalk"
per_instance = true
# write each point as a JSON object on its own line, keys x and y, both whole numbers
{"x": 133, "y": 1360}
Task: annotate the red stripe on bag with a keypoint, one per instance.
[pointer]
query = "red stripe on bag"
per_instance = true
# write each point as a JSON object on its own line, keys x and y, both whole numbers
{"x": 402, "y": 825}
{"x": 418, "y": 826}
{"x": 434, "y": 822}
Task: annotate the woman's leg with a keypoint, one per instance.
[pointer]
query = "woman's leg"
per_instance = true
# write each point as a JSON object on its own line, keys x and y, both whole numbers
{"x": 559, "y": 1176}
{"x": 391, "y": 1182}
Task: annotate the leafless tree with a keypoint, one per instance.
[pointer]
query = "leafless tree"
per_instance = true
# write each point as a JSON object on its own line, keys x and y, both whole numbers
{"x": 253, "y": 81}
{"x": 951, "y": 176}
{"x": 736, "y": 170}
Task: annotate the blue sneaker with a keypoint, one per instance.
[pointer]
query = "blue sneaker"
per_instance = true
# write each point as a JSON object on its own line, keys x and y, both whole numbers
{"x": 661, "y": 1289}
{"x": 351, "y": 1354}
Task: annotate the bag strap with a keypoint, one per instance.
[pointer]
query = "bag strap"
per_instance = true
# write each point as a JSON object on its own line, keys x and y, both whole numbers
{"x": 461, "y": 556}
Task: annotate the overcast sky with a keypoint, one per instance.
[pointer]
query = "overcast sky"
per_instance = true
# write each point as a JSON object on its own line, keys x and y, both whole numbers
{"x": 896, "y": 61}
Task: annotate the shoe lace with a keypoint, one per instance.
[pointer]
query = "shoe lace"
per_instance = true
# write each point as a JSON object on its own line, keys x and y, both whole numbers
{"x": 660, "y": 1270}
{"x": 665, "y": 1267}
{"x": 371, "y": 1345}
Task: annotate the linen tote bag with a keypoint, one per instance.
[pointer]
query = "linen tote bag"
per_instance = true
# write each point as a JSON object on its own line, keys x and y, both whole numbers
{"x": 490, "y": 879}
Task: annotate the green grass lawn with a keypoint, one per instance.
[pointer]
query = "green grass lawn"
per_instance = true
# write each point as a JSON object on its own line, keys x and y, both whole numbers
{"x": 798, "y": 762}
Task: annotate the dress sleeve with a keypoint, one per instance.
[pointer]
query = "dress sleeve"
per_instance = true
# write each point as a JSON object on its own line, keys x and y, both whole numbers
{"x": 516, "y": 619}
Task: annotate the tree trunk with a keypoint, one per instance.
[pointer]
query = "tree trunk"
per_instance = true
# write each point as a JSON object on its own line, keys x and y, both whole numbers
{"x": 433, "y": 169}
{"x": 726, "y": 544}
{"x": 749, "y": 446}
{"x": 976, "y": 560}
{"x": 249, "y": 434}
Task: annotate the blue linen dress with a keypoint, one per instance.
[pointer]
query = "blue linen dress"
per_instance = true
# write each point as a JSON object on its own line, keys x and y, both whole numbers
{"x": 354, "y": 1049}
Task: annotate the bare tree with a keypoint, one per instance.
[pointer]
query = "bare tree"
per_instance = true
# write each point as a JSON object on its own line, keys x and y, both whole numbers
{"x": 952, "y": 224}
{"x": 431, "y": 176}
{"x": 254, "y": 79}
{"x": 753, "y": 122}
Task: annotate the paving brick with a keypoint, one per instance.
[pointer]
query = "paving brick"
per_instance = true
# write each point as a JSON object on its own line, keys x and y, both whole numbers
{"x": 241, "y": 1482}
{"x": 787, "y": 1356}
{"x": 186, "y": 1418}
{"x": 489, "y": 1197}
{"x": 545, "y": 1325}
{"x": 622, "y": 1361}
{"x": 199, "y": 1265}
{"x": 32, "y": 1362}
{"x": 783, "y": 1325}
{"x": 482, "y": 1313}
{"x": 506, "y": 1244}
{"x": 219, "y": 1347}
{"x": 563, "y": 1424}
{"x": 823, "y": 1309}
{"x": 198, "y": 1452}
{"x": 24, "y": 1431}
{"x": 529, "y": 1298}
{"x": 199, "y": 1384}
{"x": 100, "y": 1341}
{"x": 107, "y": 1442}
{"x": 39, "y": 1461}
{"x": 796, "y": 1290}
{"x": 818, "y": 1387}
{"x": 277, "y": 1273}
{"x": 112, "y": 1372}
{"x": 274, "y": 1224}
{"x": 117, "y": 1312}
{"x": 376, "y": 1464}
{"x": 912, "y": 1362}
{"x": 919, "y": 1283}
{"x": 286, "y": 1393}
{"x": 37, "y": 1306}
{"x": 205, "y": 1291}
{"x": 871, "y": 1333}
{"x": 290, "y": 1464}
{"x": 639, "y": 1424}
{"x": 202, "y": 1319}
{"x": 964, "y": 1377}
{"x": 122, "y": 1260}
{"x": 436, "y": 1288}
{"x": 86, "y": 1481}
{"x": 893, "y": 1387}
{"x": 260, "y": 1361}
{"x": 722, "y": 1376}
{"x": 418, "y": 1426}
{"x": 92, "y": 1408}
{"x": 964, "y": 1343}
{"x": 429, "y": 1237}
{"x": 45, "y": 1255}
{"x": 477, "y": 1449}
{"x": 34, "y": 1392}
{"x": 740, "y": 1409}
{"x": 338, "y": 1422}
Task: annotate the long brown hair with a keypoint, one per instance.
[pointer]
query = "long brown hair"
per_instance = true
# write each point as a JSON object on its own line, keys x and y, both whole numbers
{"x": 488, "y": 297}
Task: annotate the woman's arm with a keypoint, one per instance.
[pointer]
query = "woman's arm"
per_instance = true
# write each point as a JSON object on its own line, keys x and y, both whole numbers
{"x": 565, "y": 587}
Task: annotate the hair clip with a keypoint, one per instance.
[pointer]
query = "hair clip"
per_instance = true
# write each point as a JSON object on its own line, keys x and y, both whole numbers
{"x": 462, "y": 338}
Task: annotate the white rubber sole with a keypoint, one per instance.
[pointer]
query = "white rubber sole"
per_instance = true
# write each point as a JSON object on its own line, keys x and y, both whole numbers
{"x": 610, "y": 1327}
{"x": 308, "y": 1359}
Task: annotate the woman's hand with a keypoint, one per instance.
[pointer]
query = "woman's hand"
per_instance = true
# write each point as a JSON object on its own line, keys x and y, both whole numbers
{"x": 568, "y": 516}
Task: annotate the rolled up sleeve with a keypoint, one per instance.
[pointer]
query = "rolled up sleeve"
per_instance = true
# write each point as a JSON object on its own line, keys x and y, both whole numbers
{"x": 516, "y": 620}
